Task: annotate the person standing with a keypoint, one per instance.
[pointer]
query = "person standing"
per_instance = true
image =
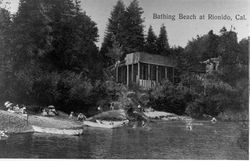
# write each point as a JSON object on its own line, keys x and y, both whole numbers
{"x": 71, "y": 115}
{"x": 112, "y": 106}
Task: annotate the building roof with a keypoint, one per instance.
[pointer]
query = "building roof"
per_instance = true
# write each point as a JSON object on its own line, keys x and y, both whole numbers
{"x": 143, "y": 57}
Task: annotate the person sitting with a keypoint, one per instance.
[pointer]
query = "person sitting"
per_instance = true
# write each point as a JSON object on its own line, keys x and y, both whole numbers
{"x": 54, "y": 111}
{"x": 23, "y": 110}
{"x": 44, "y": 112}
{"x": 140, "y": 108}
{"x": 99, "y": 108}
{"x": 9, "y": 106}
{"x": 16, "y": 108}
{"x": 71, "y": 115}
{"x": 81, "y": 117}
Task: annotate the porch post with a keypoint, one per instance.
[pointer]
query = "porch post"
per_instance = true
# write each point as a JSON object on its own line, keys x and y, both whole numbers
{"x": 127, "y": 75}
{"x": 157, "y": 74}
{"x": 149, "y": 76}
{"x": 166, "y": 72}
{"x": 173, "y": 74}
{"x": 132, "y": 74}
{"x": 138, "y": 74}
{"x": 117, "y": 74}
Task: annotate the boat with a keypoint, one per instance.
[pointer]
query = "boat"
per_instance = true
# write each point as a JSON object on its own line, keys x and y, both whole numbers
{"x": 106, "y": 124}
{"x": 57, "y": 131}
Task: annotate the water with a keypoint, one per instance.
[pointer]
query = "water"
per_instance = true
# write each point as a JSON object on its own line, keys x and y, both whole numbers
{"x": 165, "y": 140}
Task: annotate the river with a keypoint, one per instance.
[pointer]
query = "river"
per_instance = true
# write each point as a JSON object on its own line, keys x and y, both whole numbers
{"x": 161, "y": 140}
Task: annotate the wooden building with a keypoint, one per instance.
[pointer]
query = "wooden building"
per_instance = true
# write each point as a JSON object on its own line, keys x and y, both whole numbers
{"x": 145, "y": 69}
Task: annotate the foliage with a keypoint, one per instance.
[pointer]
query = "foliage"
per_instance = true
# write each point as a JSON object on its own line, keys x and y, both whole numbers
{"x": 124, "y": 29}
{"x": 106, "y": 44}
{"x": 114, "y": 36}
{"x": 221, "y": 90}
{"x": 150, "y": 44}
{"x": 134, "y": 28}
{"x": 117, "y": 22}
{"x": 162, "y": 42}
{"x": 115, "y": 53}
{"x": 49, "y": 55}
{"x": 171, "y": 98}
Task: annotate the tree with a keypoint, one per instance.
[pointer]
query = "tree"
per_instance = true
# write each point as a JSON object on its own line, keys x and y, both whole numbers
{"x": 229, "y": 50}
{"x": 106, "y": 44}
{"x": 162, "y": 42}
{"x": 115, "y": 31}
{"x": 6, "y": 61}
{"x": 212, "y": 41}
{"x": 71, "y": 51}
{"x": 133, "y": 28}
{"x": 243, "y": 57}
{"x": 115, "y": 52}
{"x": 53, "y": 54}
{"x": 150, "y": 44}
{"x": 116, "y": 22}
{"x": 124, "y": 29}
{"x": 5, "y": 24}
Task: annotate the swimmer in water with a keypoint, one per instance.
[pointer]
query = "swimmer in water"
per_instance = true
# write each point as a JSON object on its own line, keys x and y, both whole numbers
{"x": 214, "y": 120}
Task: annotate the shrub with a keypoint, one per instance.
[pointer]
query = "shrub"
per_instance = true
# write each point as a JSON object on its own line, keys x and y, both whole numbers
{"x": 171, "y": 98}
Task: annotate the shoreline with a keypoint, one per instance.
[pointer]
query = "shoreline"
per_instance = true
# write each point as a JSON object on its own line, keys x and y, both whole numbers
{"x": 15, "y": 123}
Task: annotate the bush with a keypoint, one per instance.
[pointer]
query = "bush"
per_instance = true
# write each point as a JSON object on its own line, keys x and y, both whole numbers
{"x": 195, "y": 109}
{"x": 171, "y": 98}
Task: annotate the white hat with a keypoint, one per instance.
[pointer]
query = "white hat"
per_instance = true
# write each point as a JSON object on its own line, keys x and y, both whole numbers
{"x": 6, "y": 103}
{"x": 51, "y": 106}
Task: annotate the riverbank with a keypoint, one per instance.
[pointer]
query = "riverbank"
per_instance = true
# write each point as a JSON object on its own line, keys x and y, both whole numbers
{"x": 234, "y": 116}
{"x": 17, "y": 123}
{"x": 167, "y": 116}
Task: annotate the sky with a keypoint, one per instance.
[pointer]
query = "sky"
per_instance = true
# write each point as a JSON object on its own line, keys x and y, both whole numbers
{"x": 180, "y": 31}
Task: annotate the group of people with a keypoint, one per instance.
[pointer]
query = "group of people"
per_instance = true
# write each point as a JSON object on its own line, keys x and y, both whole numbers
{"x": 112, "y": 107}
{"x": 49, "y": 111}
{"x": 15, "y": 108}
{"x": 80, "y": 116}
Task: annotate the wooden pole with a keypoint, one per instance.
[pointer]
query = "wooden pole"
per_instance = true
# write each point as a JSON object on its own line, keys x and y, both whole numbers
{"x": 166, "y": 72}
{"x": 138, "y": 73}
{"x": 127, "y": 75}
{"x": 149, "y": 76}
{"x": 132, "y": 79}
{"x": 157, "y": 74}
{"x": 173, "y": 74}
{"x": 117, "y": 74}
{"x": 27, "y": 119}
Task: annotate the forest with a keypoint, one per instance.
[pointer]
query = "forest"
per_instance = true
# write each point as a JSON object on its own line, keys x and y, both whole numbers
{"x": 48, "y": 55}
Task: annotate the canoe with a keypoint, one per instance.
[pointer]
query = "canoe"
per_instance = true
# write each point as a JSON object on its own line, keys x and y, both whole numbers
{"x": 57, "y": 131}
{"x": 106, "y": 124}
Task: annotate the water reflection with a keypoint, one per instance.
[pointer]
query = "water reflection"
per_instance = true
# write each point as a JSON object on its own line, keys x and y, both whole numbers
{"x": 165, "y": 140}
